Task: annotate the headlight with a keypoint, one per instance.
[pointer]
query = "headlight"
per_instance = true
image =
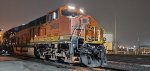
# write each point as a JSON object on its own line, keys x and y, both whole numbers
{"x": 71, "y": 7}
{"x": 81, "y": 10}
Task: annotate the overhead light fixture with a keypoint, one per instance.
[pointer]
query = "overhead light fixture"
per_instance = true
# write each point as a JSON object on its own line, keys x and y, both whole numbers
{"x": 71, "y": 7}
{"x": 81, "y": 10}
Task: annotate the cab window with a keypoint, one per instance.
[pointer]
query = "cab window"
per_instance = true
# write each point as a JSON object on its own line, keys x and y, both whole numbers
{"x": 50, "y": 17}
{"x": 53, "y": 15}
{"x": 69, "y": 13}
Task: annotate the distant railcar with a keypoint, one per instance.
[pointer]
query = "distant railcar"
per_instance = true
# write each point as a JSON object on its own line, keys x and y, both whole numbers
{"x": 66, "y": 34}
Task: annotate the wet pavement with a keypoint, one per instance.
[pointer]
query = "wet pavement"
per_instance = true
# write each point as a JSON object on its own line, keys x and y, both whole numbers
{"x": 9, "y": 63}
{"x": 13, "y": 64}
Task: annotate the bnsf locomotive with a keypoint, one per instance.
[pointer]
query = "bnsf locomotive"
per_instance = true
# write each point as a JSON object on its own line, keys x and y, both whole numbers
{"x": 66, "y": 34}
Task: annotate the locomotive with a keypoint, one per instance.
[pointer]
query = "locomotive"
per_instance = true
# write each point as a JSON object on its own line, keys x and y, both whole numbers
{"x": 65, "y": 34}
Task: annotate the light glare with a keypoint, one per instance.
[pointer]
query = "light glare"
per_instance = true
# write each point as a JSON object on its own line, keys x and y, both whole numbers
{"x": 81, "y": 10}
{"x": 71, "y": 7}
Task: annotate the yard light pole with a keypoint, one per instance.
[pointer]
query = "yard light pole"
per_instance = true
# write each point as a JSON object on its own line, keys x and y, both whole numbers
{"x": 115, "y": 43}
{"x": 138, "y": 41}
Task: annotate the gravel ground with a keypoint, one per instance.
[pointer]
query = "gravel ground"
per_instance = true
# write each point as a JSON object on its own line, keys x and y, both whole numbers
{"x": 128, "y": 66}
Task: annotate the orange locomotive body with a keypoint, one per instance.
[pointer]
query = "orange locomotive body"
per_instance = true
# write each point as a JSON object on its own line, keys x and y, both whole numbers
{"x": 66, "y": 34}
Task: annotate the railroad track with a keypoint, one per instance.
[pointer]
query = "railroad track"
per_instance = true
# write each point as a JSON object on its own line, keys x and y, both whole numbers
{"x": 71, "y": 67}
{"x": 135, "y": 59}
{"x": 105, "y": 69}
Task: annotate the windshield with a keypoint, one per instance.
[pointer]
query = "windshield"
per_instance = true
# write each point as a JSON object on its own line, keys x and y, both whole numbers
{"x": 69, "y": 13}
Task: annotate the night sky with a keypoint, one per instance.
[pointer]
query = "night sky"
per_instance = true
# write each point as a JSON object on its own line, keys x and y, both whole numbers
{"x": 132, "y": 16}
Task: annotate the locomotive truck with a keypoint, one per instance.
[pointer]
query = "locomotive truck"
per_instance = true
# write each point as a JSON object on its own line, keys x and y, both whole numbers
{"x": 65, "y": 34}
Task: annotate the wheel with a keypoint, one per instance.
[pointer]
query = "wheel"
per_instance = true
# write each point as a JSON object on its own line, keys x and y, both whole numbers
{"x": 37, "y": 52}
{"x": 47, "y": 57}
